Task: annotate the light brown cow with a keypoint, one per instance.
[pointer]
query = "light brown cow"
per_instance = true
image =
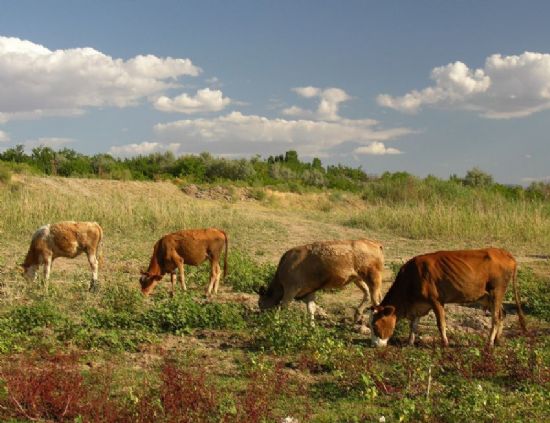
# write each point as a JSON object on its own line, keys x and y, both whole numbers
{"x": 430, "y": 281}
{"x": 63, "y": 239}
{"x": 326, "y": 265}
{"x": 193, "y": 247}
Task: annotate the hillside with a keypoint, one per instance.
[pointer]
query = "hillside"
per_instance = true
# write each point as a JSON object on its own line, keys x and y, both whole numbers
{"x": 331, "y": 371}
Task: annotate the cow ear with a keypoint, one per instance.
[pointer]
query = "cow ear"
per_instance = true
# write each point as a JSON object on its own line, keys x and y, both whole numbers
{"x": 376, "y": 309}
{"x": 389, "y": 310}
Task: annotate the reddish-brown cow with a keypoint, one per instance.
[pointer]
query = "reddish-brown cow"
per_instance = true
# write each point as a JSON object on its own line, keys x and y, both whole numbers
{"x": 193, "y": 247}
{"x": 63, "y": 239}
{"x": 429, "y": 281}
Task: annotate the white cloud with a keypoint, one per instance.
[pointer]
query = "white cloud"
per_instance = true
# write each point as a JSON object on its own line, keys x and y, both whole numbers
{"x": 4, "y": 137}
{"x": 143, "y": 148}
{"x": 506, "y": 87}
{"x": 330, "y": 99}
{"x": 205, "y": 100}
{"x": 36, "y": 81}
{"x": 529, "y": 180}
{"x": 52, "y": 142}
{"x": 376, "y": 148}
{"x": 306, "y": 136}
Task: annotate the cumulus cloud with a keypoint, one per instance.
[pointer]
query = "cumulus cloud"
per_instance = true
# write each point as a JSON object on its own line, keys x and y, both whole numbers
{"x": 308, "y": 137}
{"x": 143, "y": 148}
{"x": 4, "y": 137}
{"x": 205, "y": 100}
{"x": 529, "y": 180}
{"x": 36, "y": 81}
{"x": 52, "y": 142}
{"x": 376, "y": 148}
{"x": 329, "y": 104}
{"x": 506, "y": 87}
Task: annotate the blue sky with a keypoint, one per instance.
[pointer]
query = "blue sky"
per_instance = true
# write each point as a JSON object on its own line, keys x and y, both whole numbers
{"x": 430, "y": 87}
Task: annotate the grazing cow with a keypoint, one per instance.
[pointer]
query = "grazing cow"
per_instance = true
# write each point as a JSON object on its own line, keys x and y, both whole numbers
{"x": 193, "y": 247}
{"x": 63, "y": 239}
{"x": 427, "y": 282}
{"x": 326, "y": 265}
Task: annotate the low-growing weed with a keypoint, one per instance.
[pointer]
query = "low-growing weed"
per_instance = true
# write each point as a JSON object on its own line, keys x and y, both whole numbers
{"x": 181, "y": 314}
{"x": 246, "y": 275}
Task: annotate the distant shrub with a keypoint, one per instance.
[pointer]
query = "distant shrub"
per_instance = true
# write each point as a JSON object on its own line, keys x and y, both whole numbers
{"x": 475, "y": 177}
{"x": 229, "y": 169}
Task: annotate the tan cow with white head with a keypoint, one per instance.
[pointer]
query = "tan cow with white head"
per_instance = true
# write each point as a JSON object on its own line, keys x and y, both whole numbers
{"x": 64, "y": 239}
{"x": 326, "y": 265}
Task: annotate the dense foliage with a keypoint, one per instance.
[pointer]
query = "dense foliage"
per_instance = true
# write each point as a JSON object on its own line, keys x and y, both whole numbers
{"x": 286, "y": 172}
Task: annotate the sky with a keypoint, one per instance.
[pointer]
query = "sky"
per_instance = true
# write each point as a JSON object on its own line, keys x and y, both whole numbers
{"x": 427, "y": 87}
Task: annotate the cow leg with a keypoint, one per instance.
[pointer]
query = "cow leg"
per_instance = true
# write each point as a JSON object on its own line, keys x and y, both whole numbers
{"x": 497, "y": 315}
{"x": 217, "y": 274}
{"x": 181, "y": 271}
{"x": 288, "y": 296}
{"x": 47, "y": 270}
{"x": 374, "y": 282}
{"x": 440, "y": 317}
{"x": 172, "y": 283}
{"x": 358, "y": 317}
{"x": 94, "y": 264}
{"x": 414, "y": 330}
{"x": 310, "y": 306}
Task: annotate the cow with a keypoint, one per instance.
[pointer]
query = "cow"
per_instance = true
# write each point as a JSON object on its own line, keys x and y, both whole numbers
{"x": 63, "y": 239}
{"x": 326, "y": 265}
{"x": 428, "y": 282}
{"x": 192, "y": 246}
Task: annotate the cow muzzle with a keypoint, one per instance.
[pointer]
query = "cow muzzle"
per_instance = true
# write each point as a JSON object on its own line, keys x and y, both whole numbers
{"x": 379, "y": 342}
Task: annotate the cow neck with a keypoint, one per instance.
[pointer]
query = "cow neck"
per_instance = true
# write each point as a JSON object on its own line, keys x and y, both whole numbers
{"x": 154, "y": 266}
{"x": 397, "y": 297}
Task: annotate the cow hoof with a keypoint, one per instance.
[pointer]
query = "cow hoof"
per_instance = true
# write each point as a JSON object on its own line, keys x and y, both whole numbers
{"x": 364, "y": 330}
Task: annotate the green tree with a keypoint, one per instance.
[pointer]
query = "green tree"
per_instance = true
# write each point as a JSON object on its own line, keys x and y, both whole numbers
{"x": 475, "y": 177}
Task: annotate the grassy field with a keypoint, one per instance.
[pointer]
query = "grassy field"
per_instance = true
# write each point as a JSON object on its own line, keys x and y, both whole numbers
{"x": 71, "y": 355}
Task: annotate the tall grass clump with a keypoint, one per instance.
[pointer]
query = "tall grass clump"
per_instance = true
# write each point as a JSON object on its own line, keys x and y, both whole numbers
{"x": 5, "y": 175}
{"x": 449, "y": 210}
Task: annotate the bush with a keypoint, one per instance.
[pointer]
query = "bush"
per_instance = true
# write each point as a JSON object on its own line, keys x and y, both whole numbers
{"x": 285, "y": 331}
{"x": 181, "y": 314}
{"x": 245, "y": 275}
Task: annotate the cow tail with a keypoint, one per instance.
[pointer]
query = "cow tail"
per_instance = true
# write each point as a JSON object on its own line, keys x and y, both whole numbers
{"x": 225, "y": 256}
{"x": 521, "y": 316}
{"x": 99, "y": 252}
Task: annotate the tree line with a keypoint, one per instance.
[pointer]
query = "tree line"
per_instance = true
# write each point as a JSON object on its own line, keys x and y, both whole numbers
{"x": 285, "y": 171}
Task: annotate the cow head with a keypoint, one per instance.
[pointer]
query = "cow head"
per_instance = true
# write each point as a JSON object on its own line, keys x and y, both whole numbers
{"x": 148, "y": 282}
{"x": 382, "y": 324}
{"x": 266, "y": 300}
{"x": 28, "y": 272}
